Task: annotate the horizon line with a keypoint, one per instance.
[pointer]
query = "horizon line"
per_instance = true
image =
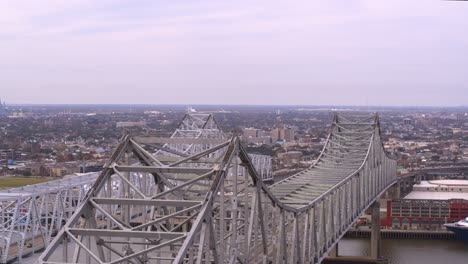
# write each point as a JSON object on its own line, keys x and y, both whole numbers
{"x": 211, "y": 104}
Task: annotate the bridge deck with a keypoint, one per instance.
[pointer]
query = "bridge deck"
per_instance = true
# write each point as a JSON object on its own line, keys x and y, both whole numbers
{"x": 344, "y": 154}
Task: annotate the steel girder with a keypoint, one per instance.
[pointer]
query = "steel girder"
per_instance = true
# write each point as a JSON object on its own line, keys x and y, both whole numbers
{"x": 225, "y": 213}
{"x": 200, "y": 131}
{"x": 323, "y": 201}
{"x": 196, "y": 132}
{"x": 194, "y": 126}
{"x": 30, "y": 215}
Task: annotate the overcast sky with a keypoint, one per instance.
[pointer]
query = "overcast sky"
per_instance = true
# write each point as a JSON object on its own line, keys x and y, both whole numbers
{"x": 343, "y": 52}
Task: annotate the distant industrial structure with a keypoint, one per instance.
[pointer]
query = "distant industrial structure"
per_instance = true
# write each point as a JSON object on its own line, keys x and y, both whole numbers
{"x": 3, "y": 108}
{"x": 130, "y": 124}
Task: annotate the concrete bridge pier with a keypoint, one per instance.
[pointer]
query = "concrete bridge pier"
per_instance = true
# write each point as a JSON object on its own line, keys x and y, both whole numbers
{"x": 376, "y": 244}
{"x": 397, "y": 191}
{"x": 375, "y": 247}
{"x": 418, "y": 179}
{"x": 334, "y": 252}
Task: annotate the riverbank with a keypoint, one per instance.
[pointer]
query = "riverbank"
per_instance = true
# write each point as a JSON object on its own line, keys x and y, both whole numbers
{"x": 409, "y": 251}
{"x": 403, "y": 234}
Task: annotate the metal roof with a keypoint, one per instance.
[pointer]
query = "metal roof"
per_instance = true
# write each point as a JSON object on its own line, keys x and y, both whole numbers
{"x": 418, "y": 195}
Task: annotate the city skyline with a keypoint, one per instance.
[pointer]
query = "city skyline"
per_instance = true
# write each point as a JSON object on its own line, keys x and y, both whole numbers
{"x": 349, "y": 53}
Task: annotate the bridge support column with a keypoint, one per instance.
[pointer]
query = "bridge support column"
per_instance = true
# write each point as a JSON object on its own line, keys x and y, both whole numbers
{"x": 334, "y": 251}
{"x": 375, "y": 247}
{"x": 397, "y": 191}
{"x": 418, "y": 179}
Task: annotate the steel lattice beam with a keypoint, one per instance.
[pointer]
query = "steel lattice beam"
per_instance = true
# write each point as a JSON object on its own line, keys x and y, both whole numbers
{"x": 30, "y": 215}
{"x": 227, "y": 215}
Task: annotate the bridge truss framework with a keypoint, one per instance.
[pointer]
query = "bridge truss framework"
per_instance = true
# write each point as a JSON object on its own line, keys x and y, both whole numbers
{"x": 31, "y": 215}
{"x": 214, "y": 208}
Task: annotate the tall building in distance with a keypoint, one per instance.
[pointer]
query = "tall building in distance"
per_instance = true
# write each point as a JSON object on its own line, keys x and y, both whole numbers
{"x": 255, "y": 136}
{"x": 283, "y": 133}
{"x": 251, "y": 132}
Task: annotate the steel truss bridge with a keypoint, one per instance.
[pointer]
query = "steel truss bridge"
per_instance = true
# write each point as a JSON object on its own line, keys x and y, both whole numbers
{"x": 204, "y": 126}
{"x": 31, "y": 216}
{"x": 211, "y": 206}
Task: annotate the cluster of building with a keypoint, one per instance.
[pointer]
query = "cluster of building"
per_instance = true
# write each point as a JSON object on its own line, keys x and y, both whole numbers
{"x": 429, "y": 206}
{"x": 278, "y": 135}
{"x": 49, "y": 141}
{"x": 291, "y": 151}
{"x": 294, "y": 137}
{"x": 431, "y": 138}
{"x": 54, "y": 169}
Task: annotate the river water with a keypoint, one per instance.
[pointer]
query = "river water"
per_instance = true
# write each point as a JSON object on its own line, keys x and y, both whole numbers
{"x": 409, "y": 251}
